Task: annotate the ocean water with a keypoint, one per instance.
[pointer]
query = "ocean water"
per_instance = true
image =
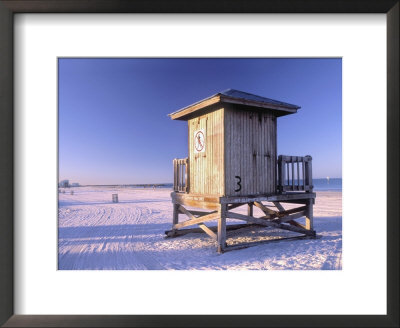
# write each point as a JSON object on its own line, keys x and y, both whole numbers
{"x": 325, "y": 184}
{"x": 333, "y": 184}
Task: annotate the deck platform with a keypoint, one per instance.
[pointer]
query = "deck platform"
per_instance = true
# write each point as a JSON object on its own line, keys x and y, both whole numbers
{"x": 220, "y": 209}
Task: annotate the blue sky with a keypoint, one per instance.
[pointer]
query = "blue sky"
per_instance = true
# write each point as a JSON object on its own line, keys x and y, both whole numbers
{"x": 114, "y": 128}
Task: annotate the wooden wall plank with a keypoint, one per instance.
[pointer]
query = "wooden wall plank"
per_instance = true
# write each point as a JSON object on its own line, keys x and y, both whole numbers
{"x": 263, "y": 153}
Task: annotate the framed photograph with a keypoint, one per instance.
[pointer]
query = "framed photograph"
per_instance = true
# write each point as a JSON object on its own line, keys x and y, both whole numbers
{"x": 156, "y": 163}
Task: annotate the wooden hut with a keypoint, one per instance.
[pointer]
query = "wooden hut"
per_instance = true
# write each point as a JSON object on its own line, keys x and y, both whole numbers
{"x": 232, "y": 161}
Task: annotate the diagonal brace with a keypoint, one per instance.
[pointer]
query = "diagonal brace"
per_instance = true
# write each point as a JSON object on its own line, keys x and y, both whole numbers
{"x": 194, "y": 220}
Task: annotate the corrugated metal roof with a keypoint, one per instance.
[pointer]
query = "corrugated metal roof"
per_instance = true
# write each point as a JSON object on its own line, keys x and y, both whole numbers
{"x": 253, "y": 100}
{"x": 248, "y": 96}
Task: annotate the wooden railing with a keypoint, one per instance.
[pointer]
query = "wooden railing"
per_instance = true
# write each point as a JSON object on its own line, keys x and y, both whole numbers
{"x": 294, "y": 173}
{"x": 181, "y": 174}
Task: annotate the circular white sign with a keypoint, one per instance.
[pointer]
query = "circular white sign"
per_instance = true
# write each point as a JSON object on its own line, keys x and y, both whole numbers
{"x": 199, "y": 142}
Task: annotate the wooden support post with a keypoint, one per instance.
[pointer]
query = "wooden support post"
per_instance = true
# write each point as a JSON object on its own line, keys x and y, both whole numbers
{"x": 309, "y": 215}
{"x": 222, "y": 228}
{"x": 250, "y": 209}
{"x": 175, "y": 217}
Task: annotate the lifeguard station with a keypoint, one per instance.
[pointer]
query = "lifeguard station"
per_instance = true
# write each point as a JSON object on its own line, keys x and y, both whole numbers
{"x": 232, "y": 161}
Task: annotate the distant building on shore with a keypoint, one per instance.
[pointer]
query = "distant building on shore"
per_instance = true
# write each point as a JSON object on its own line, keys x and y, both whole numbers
{"x": 66, "y": 184}
{"x": 63, "y": 184}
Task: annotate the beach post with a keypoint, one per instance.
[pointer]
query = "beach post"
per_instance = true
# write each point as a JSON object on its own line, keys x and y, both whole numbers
{"x": 232, "y": 161}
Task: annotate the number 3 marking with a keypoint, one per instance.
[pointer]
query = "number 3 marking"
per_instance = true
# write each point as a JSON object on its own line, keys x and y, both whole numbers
{"x": 238, "y": 183}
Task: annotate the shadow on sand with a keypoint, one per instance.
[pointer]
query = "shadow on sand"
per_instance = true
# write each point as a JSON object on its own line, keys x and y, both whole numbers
{"x": 69, "y": 203}
{"x": 108, "y": 231}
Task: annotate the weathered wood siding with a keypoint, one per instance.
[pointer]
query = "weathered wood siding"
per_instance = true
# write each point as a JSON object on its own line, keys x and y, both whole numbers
{"x": 250, "y": 152}
{"x": 206, "y": 169}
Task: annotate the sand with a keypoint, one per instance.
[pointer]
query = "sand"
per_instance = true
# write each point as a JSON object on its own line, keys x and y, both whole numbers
{"x": 96, "y": 234}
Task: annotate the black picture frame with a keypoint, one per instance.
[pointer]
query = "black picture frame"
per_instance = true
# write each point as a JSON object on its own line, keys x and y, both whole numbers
{"x": 10, "y": 7}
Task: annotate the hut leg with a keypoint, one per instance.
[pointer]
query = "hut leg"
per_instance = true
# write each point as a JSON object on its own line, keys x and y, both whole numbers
{"x": 175, "y": 216}
{"x": 309, "y": 215}
{"x": 250, "y": 209}
{"x": 222, "y": 228}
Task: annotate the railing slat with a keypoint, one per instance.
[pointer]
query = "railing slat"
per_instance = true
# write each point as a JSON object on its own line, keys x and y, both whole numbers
{"x": 179, "y": 175}
{"x": 288, "y": 176}
{"x": 292, "y": 173}
{"x": 281, "y": 172}
{"x": 298, "y": 176}
{"x": 175, "y": 181}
